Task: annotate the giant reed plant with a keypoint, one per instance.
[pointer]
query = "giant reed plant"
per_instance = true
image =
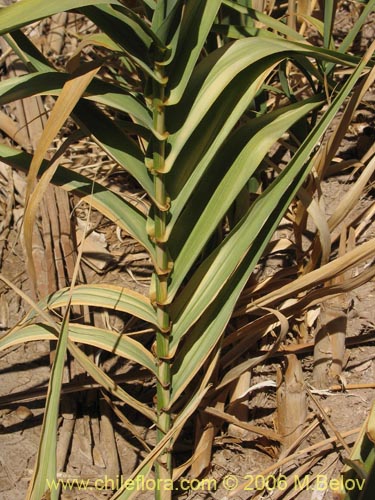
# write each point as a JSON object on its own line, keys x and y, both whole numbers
{"x": 190, "y": 86}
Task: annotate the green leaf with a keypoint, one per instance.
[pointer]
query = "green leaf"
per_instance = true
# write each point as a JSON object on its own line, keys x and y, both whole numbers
{"x": 26, "y": 12}
{"x": 129, "y": 32}
{"x": 194, "y": 353}
{"x": 110, "y": 204}
{"x": 108, "y": 340}
{"x": 51, "y": 83}
{"x": 102, "y": 295}
{"x": 262, "y": 133}
{"x": 209, "y": 134}
{"x": 28, "y": 53}
{"x": 246, "y": 243}
{"x": 118, "y": 344}
{"x": 212, "y": 77}
{"x": 45, "y": 469}
{"x": 196, "y": 23}
{"x": 169, "y": 29}
{"x": 219, "y": 70}
{"x": 162, "y": 12}
{"x": 329, "y": 16}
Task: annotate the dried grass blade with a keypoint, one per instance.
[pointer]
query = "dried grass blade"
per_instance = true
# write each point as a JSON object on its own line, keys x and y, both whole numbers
{"x": 268, "y": 433}
{"x": 70, "y": 95}
{"x": 322, "y": 445}
{"x": 320, "y": 220}
{"x": 326, "y": 272}
{"x": 350, "y": 198}
{"x": 236, "y": 372}
{"x": 329, "y": 150}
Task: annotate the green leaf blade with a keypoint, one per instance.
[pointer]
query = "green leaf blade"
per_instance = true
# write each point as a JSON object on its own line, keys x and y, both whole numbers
{"x": 20, "y": 14}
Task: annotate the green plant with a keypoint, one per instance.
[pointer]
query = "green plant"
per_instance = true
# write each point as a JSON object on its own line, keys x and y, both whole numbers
{"x": 196, "y": 127}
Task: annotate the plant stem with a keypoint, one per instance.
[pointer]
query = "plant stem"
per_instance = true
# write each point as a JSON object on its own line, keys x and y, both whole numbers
{"x": 164, "y": 465}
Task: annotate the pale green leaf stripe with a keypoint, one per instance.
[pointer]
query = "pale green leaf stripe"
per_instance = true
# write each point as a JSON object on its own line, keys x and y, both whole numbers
{"x": 27, "y": 11}
{"x": 45, "y": 468}
{"x": 27, "y": 333}
{"x": 51, "y": 83}
{"x": 115, "y": 208}
{"x": 102, "y": 295}
{"x": 229, "y": 63}
{"x": 197, "y": 21}
{"x": 238, "y": 174}
{"x": 264, "y": 215}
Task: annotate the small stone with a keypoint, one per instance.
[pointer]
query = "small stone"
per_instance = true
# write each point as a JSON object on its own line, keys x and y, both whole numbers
{"x": 23, "y": 413}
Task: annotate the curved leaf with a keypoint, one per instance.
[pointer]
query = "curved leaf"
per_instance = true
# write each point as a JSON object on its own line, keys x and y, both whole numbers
{"x": 51, "y": 83}
{"x": 110, "y": 341}
{"x": 26, "y": 12}
{"x": 216, "y": 72}
{"x": 101, "y": 295}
